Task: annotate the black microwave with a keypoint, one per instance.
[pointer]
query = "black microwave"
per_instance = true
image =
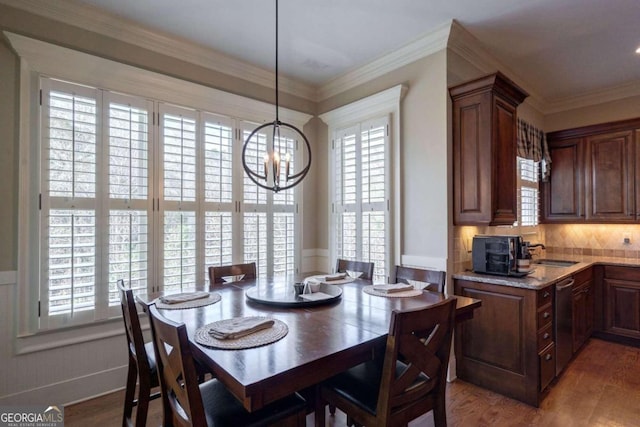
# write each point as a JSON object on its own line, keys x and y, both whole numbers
{"x": 496, "y": 255}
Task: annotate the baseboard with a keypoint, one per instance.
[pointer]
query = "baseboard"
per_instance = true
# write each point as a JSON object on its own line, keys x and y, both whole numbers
{"x": 71, "y": 391}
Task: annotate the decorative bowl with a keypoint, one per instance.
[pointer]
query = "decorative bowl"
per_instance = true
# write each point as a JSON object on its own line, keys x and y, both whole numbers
{"x": 234, "y": 278}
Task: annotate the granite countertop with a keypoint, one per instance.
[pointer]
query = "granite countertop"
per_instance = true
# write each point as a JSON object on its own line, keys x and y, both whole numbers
{"x": 545, "y": 275}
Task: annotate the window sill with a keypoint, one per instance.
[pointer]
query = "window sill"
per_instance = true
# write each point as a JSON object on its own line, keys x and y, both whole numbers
{"x": 43, "y": 341}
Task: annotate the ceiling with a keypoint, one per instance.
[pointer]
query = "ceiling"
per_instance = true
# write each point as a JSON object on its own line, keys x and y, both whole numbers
{"x": 559, "y": 48}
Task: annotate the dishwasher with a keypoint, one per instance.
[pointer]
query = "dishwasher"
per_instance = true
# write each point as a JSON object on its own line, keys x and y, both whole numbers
{"x": 564, "y": 323}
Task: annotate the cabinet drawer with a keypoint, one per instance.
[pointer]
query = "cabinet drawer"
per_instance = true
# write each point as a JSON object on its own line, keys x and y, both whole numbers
{"x": 545, "y": 296}
{"x": 622, "y": 273}
{"x": 545, "y": 316}
{"x": 583, "y": 276}
{"x": 545, "y": 337}
{"x": 547, "y": 366}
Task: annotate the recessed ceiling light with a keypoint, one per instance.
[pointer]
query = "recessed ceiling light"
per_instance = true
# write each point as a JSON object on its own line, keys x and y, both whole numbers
{"x": 638, "y": 50}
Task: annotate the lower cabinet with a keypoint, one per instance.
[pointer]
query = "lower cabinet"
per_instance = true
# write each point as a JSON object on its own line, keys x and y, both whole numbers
{"x": 583, "y": 309}
{"x": 508, "y": 346}
{"x": 622, "y": 303}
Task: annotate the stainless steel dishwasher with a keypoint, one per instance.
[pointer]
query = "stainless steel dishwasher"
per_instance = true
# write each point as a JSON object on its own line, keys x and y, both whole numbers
{"x": 564, "y": 323}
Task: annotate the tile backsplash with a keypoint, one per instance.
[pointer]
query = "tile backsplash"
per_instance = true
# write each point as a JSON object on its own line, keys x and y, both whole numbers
{"x": 574, "y": 239}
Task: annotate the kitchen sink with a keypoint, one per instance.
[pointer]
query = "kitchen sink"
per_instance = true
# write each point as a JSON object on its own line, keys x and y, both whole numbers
{"x": 555, "y": 262}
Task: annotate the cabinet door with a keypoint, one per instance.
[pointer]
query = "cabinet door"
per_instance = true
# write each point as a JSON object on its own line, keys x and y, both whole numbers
{"x": 610, "y": 177}
{"x": 622, "y": 307}
{"x": 582, "y": 315}
{"x": 563, "y": 193}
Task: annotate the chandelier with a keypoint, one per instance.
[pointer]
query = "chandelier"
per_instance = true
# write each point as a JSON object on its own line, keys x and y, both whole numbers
{"x": 278, "y": 173}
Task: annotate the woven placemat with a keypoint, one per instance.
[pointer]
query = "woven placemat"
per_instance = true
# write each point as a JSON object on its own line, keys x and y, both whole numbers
{"x": 256, "y": 339}
{"x": 403, "y": 294}
{"x": 213, "y": 298}
{"x": 321, "y": 278}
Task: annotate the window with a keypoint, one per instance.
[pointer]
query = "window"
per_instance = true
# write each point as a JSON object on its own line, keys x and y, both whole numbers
{"x": 360, "y": 155}
{"x": 528, "y": 192}
{"x": 153, "y": 202}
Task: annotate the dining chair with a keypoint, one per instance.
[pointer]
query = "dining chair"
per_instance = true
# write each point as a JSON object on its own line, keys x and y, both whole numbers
{"x": 435, "y": 278}
{"x": 142, "y": 364}
{"x": 342, "y": 265}
{"x": 409, "y": 381}
{"x": 187, "y": 403}
{"x": 216, "y": 273}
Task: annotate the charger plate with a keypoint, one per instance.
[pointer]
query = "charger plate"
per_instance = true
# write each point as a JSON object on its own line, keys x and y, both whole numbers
{"x": 256, "y": 339}
{"x": 404, "y": 294}
{"x": 213, "y": 298}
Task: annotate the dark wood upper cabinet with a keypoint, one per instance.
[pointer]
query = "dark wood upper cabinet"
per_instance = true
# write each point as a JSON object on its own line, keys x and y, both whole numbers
{"x": 610, "y": 179}
{"x": 484, "y": 150}
{"x": 595, "y": 172}
{"x": 563, "y": 199}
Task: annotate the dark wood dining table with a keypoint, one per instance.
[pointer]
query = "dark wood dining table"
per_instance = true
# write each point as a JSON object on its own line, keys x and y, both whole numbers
{"x": 322, "y": 340}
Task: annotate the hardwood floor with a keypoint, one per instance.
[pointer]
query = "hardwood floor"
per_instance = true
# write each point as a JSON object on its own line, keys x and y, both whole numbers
{"x": 601, "y": 387}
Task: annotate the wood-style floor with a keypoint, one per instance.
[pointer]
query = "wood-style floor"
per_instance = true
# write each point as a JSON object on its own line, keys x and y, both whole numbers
{"x": 601, "y": 387}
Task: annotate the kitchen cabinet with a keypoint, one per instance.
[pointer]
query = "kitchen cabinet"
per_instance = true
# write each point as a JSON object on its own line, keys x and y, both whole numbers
{"x": 508, "y": 346}
{"x": 484, "y": 150}
{"x": 563, "y": 193}
{"x": 594, "y": 170}
{"x": 621, "y": 309}
{"x": 582, "y": 308}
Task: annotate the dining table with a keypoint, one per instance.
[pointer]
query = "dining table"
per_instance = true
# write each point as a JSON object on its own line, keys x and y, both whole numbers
{"x": 322, "y": 339}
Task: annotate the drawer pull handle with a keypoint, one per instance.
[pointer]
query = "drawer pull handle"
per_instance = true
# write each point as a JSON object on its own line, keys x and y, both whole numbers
{"x": 546, "y": 315}
{"x": 547, "y": 357}
{"x": 546, "y": 295}
{"x": 546, "y": 335}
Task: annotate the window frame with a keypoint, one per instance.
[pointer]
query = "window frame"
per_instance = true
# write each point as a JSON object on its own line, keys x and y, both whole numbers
{"x": 534, "y": 185}
{"x": 41, "y": 59}
{"x": 382, "y": 104}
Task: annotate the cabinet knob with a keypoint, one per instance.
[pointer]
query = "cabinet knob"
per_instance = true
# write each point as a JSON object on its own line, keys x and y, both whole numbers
{"x": 546, "y": 335}
{"x": 546, "y": 314}
{"x": 547, "y": 357}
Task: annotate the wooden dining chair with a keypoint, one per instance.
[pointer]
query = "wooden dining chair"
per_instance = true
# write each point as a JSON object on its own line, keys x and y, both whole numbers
{"x": 409, "y": 381}
{"x": 187, "y": 403}
{"x": 435, "y": 278}
{"x": 142, "y": 364}
{"x": 216, "y": 273}
{"x": 342, "y": 265}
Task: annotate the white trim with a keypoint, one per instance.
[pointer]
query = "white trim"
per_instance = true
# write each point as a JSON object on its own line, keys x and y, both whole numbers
{"x": 67, "y": 64}
{"x": 315, "y": 260}
{"x": 72, "y": 390}
{"x": 384, "y": 102}
{"x": 601, "y": 96}
{"x": 388, "y": 103}
{"x": 424, "y": 262}
{"x": 8, "y": 277}
{"x": 90, "y": 18}
{"x": 424, "y": 46}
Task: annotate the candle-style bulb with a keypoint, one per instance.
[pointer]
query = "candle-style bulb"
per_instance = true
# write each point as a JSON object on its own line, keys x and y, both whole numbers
{"x": 276, "y": 167}
{"x": 287, "y": 159}
{"x": 266, "y": 166}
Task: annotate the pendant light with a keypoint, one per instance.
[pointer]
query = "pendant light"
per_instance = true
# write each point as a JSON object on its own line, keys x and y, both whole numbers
{"x": 277, "y": 174}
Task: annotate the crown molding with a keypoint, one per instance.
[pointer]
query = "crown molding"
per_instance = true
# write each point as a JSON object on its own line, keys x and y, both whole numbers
{"x": 613, "y": 93}
{"x": 92, "y": 19}
{"x": 420, "y": 48}
{"x": 473, "y": 50}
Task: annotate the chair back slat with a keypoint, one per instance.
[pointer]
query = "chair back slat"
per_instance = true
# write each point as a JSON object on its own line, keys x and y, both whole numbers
{"x": 135, "y": 339}
{"x": 421, "y": 339}
{"x": 176, "y": 367}
{"x": 436, "y": 278}
{"x": 342, "y": 265}
{"x": 216, "y": 273}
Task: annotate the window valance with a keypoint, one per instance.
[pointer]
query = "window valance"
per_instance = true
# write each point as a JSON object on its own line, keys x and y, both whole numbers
{"x": 532, "y": 144}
